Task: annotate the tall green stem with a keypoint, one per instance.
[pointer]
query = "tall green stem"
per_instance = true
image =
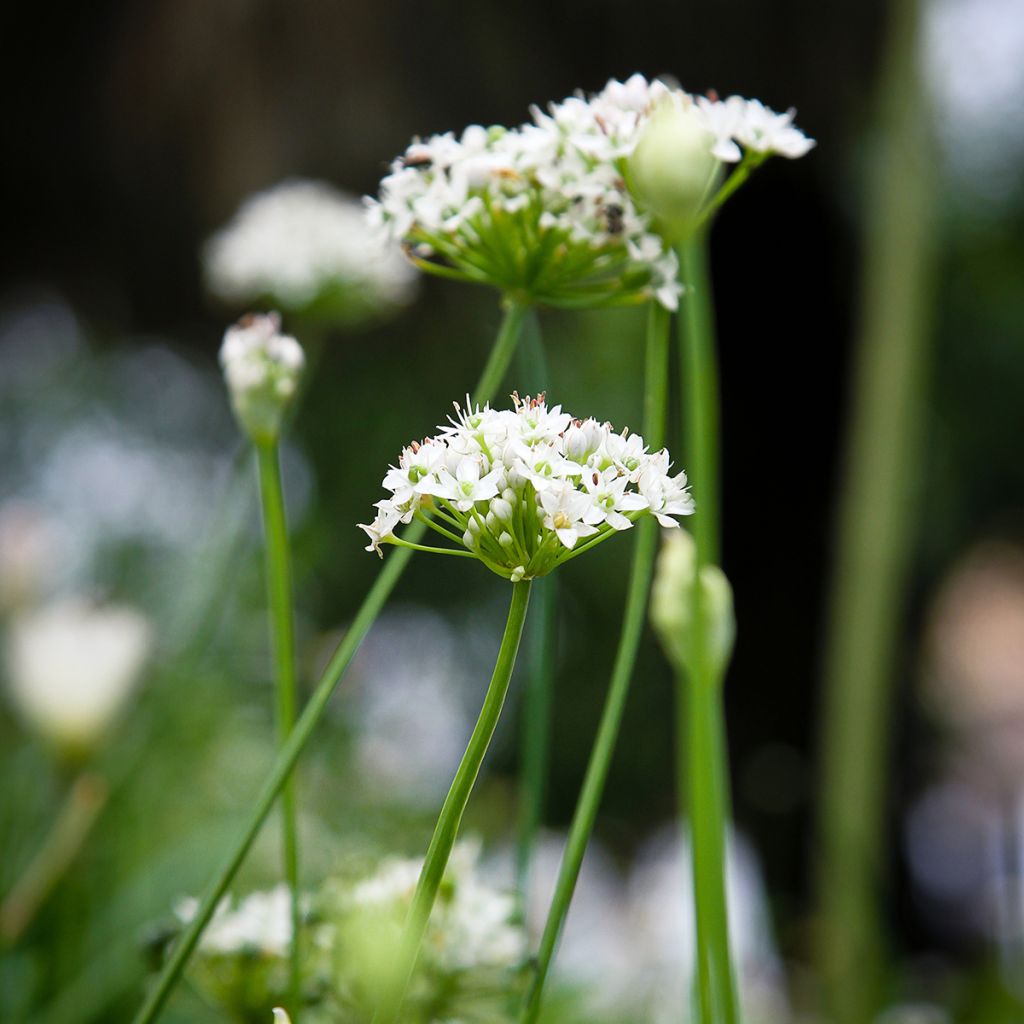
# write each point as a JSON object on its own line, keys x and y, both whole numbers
{"x": 655, "y": 404}
{"x": 875, "y": 532}
{"x": 541, "y": 644}
{"x": 282, "y": 630}
{"x": 490, "y": 379}
{"x": 450, "y": 818}
{"x": 703, "y": 782}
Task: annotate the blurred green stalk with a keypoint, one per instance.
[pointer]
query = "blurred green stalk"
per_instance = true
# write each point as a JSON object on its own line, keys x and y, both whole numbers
{"x": 702, "y": 764}
{"x": 541, "y": 652}
{"x": 634, "y": 616}
{"x": 71, "y": 827}
{"x": 447, "y": 828}
{"x": 875, "y": 531}
{"x": 493, "y": 373}
{"x": 282, "y": 632}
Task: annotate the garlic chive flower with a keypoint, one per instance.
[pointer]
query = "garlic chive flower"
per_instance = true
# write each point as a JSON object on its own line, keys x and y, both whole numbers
{"x": 262, "y": 368}
{"x": 525, "y": 489}
{"x": 548, "y": 211}
{"x": 306, "y": 247}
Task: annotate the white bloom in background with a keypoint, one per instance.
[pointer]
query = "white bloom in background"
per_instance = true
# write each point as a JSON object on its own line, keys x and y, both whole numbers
{"x": 260, "y": 923}
{"x": 262, "y": 368}
{"x": 281, "y": 1016}
{"x": 72, "y": 666}
{"x": 472, "y": 925}
{"x": 302, "y": 243}
{"x": 527, "y": 488}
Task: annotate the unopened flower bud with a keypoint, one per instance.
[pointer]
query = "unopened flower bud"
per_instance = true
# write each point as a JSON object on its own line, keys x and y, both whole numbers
{"x": 518, "y": 573}
{"x": 672, "y": 604}
{"x": 469, "y": 539}
{"x": 262, "y": 368}
{"x": 506, "y": 541}
{"x": 509, "y": 495}
{"x": 501, "y": 509}
{"x": 672, "y": 171}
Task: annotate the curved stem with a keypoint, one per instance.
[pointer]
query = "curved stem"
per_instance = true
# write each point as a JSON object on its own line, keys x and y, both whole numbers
{"x": 702, "y": 785}
{"x": 634, "y": 615}
{"x": 287, "y": 757}
{"x": 447, "y": 829}
{"x": 282, "y": 630}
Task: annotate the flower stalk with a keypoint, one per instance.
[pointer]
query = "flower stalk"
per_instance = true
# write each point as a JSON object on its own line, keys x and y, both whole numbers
{"x": 874, "y": 535}
{"x": 655, "y": 406}
{"x": 702, "y": 785}
{"x": 282, "y": 629}
{"x": 447, "y": 828}
{"x": 490, "y": 379}
{"x": 541, "y": 653}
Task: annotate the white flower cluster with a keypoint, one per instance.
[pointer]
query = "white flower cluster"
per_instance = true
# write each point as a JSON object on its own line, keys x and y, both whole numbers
{"x": 544, "y": 209}
{"x": 262, "y": 368}
{"x": 302, "y": 242}
{"x": 527, "y": 488}
{"x": 260, "y": 923}
{"x": 472, "y": 926}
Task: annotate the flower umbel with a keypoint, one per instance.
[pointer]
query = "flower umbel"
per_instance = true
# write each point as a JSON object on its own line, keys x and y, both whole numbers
{"x": 528, "y": 488}
{"x": 262, "y": 368}
{"x": 307, "y": 247}
{"x": 550, "y": 211}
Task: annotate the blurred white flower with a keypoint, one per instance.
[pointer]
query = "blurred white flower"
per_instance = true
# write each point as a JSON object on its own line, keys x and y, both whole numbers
{"x": 72, "y": 666}
{"x": 262, "y": 368}
{"x": 260, "y": 923}
{"x": 473, "y": 924}
{"x": 304, "y": 241}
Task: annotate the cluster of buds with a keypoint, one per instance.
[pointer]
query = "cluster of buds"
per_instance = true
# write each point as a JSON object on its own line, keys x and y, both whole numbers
{"x": 262, "y": 368}
{"x": 528, "y": 488}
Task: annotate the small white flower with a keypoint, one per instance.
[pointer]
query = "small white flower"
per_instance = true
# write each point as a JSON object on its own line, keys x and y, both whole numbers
{"x": 565, "y": 513}
{"x": 72, "y": 667}
{"x": 262, "y": 368}
{"x": 260, "y": 923}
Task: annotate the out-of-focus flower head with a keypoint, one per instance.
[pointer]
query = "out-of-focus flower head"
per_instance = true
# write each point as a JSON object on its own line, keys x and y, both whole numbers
{"x": 306, "y": 248}
{"x": 242, "y": 961}
{"x": 472, "y": 955}
{"x": 526, "y": 489}
{"x": 262, "y": 368}
{"x": 72, "y": 666}
{"x": 544, "y": 212}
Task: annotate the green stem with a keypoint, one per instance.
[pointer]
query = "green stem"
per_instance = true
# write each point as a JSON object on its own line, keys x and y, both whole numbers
{"x": 702, "y": 783}
{"x": 534, "y": 376}
{"x": 634, "y": 615}
{"x": 71, "y": 827}
{"x": 875, "y": 532}
{"x": 450, "y": 818}
{"x": 282, "y": 629}
{"x": 373, "y": 603}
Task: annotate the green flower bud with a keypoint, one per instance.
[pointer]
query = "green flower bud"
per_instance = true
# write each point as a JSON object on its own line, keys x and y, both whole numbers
{"x": 672, "y": 172}
{"x": 672, "y": 604}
